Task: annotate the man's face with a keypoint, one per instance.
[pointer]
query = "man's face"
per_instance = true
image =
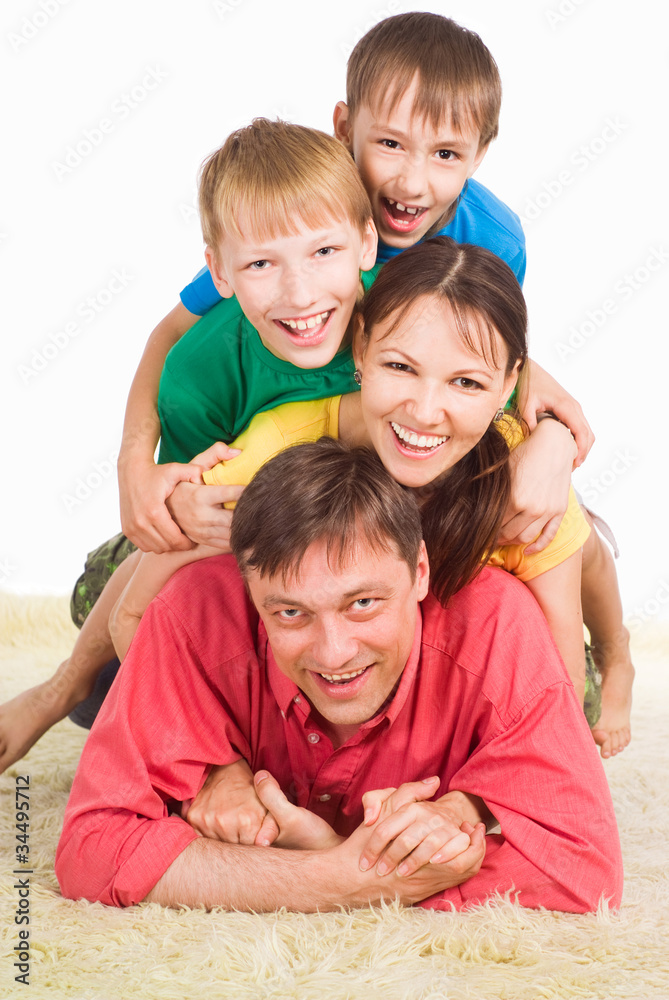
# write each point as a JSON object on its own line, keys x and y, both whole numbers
{"x": 343, "y": 634}
{"x": 298, "y": 291}
{"x": 413, "y": 172}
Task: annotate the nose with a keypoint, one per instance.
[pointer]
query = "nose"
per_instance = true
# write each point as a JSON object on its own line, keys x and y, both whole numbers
{"x": 412, "y": 177}
{"x": 428, "y": 407}
{"x": 334, "y": 646}
{"x": 299, "y": 289}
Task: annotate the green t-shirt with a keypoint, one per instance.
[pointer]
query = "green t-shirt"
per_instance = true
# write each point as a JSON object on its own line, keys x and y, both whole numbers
{"x": 220, "y": 374}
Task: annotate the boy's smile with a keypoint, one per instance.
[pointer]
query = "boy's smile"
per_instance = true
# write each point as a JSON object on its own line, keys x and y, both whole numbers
{"x": 297, "y": 290}
{"x": 413, "y": 172}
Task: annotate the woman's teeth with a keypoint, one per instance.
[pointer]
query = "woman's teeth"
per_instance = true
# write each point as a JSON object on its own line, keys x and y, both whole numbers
{"x": 415, "y": 440}
{"x": 337, "y": 678}
{"x": 306, "y": 324}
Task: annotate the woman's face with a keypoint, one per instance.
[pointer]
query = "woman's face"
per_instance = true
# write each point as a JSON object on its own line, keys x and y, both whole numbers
{"x": 427, "y": 399}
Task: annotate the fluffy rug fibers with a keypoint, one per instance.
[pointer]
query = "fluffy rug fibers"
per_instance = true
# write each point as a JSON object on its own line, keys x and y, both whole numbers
{"x": 91, "y": 952}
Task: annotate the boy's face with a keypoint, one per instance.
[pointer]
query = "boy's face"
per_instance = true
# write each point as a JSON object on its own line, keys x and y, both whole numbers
{"x": 298, "y": 291}
{"x": 412, "y": 171}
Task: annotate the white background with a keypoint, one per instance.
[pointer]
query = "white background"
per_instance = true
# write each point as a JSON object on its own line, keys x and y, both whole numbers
{"x": 591, "y": 218}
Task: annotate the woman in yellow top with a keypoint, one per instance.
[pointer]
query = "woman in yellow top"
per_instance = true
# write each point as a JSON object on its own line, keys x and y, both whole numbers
{"x": 440, "y": 345}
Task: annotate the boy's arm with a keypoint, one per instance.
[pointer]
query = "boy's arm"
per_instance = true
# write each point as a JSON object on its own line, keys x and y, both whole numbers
{"x": 541, "y": 469}
{"x": 144, "y": 486}
{"x": 545, "y": 395}
{"x": 150, "y": 576}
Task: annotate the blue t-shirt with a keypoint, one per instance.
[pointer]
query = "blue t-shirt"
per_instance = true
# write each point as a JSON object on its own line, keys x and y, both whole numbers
{"x": 480, "y": 218}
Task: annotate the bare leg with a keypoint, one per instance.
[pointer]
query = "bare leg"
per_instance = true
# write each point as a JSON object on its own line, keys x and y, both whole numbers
{"x": 28, "y": 716}
{"x": 603, "y": 616}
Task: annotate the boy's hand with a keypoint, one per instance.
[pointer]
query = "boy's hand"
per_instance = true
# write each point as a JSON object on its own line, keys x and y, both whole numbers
{"x": 199, "y": 512}
{"x": 198, "y": 509}
{"x": 547, "y": 395}
{"x": 540, "y": 480}
{"x": 143, "y": 490}
{"x": 227, "y": 808}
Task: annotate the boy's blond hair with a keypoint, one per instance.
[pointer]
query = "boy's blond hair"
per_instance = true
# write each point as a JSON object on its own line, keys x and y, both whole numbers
{"x": 457, "y": 76}
{"x": 273, "y": 175}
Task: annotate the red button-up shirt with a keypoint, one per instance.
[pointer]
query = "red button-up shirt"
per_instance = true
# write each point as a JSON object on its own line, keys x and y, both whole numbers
{"x": 484, "y": 702}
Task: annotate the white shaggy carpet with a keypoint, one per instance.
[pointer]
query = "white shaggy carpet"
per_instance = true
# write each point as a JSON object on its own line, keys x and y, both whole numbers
{"x": 90, "y": 952}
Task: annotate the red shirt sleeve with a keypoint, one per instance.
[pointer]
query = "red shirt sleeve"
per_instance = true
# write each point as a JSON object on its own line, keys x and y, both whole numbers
{"x": 539, "y": 772}
{"x": 144, "y": 752}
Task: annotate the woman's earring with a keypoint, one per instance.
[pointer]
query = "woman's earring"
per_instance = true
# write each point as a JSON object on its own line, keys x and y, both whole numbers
{"x": 498, "y": 416}
{"x": 357, "y": 376}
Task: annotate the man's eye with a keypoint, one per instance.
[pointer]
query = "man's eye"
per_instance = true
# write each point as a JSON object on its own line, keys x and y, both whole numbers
{"x": 289, "y": 614}
{"x": 259, "y": 265}
{"x": 363, "y": 603}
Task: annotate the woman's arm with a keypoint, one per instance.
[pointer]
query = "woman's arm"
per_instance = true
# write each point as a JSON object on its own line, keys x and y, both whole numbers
{"x": 558, "y": 592}
{"x": 143, "y": 485}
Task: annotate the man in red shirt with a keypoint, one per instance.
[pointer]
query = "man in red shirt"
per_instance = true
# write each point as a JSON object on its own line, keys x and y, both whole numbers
{"x": 328, "y": 668}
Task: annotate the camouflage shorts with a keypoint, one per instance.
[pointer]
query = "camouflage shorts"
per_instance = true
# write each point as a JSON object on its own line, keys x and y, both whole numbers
{"x": 100, "y": 564}
{"x": 592, "y": 706}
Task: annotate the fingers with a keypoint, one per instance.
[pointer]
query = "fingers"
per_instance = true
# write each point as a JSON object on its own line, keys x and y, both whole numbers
{"x": 159, "y": 534}
{"x": 372, "y": 802}
{"x": 218, "y": 452}
{"x": 268, "y": 832}
{"x": 395, "y": 798}
{"x": 584, "y": 441}
{"x": 271, "y": 796}
{"x": 546, "y": 537}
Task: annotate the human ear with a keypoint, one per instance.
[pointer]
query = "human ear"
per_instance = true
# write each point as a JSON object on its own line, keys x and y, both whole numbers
{"x": 370, "y": 241}
{"x": 422, "y": 573}
{"x": 478, "y": 159}
{"x": 218, "y": 275}
{"x": 510, "y": 383}
{"x": 341, "y": 120}
{"x": 358, "y": 346}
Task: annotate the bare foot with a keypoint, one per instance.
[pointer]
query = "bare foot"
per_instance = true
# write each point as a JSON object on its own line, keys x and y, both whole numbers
{"x": 28, "y": 716}
{"x": 612, "y": 731}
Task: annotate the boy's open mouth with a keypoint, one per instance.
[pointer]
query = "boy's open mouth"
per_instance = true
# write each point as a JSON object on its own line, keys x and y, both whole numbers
{"x": 416, "y": 444}
{"x": 402, "y": 218}
{"x": 306, "y": 329}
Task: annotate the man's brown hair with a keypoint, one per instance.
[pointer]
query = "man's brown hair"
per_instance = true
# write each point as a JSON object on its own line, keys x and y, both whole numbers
{"x": 458, "y": 79}
{"x": 323, "y": 490}
{"x": 275, "y": 177}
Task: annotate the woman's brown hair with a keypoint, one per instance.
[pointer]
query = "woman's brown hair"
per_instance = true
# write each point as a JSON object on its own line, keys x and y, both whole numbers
{"x": 462, "y": 514}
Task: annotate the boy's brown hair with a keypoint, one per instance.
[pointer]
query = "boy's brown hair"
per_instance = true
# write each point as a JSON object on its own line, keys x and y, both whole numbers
{"x": 274, "y": 175}
{"x": 457, "y": 76}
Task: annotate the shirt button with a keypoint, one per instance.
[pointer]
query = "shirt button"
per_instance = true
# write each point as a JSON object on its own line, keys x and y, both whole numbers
{"x": 324, "y": 798}
{"x": 314, "y": 738}
{"x": 297, "y": 699}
